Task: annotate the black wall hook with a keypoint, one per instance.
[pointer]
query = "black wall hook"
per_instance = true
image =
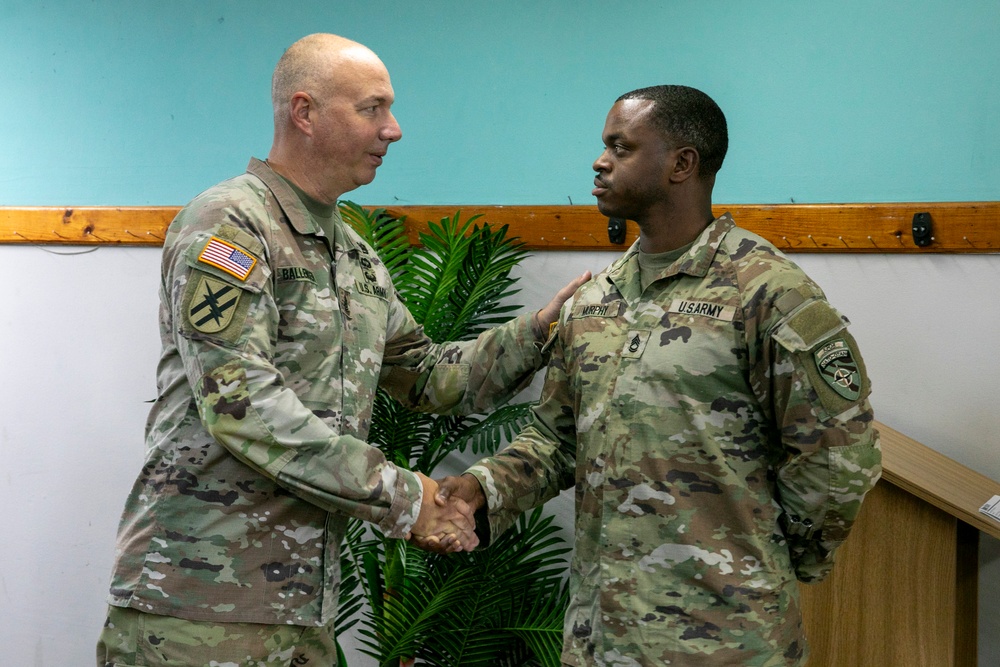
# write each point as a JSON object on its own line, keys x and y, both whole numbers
{"x": 922, "y": 229}
{"x": 616, "y": 230}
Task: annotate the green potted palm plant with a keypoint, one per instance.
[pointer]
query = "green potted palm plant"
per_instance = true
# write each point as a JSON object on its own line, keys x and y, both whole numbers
{"x": 501, "y": 606}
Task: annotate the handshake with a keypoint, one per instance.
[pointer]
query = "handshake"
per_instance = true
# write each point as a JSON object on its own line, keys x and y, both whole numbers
{"x": 446, "y": 522}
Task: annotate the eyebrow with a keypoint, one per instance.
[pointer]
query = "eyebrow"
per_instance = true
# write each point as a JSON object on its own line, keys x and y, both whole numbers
{"x": 374, "y": 99}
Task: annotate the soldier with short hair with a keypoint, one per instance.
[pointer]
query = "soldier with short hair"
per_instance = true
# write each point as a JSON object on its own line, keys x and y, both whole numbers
{"x": 710, "y": 408}
{"x": 278, "y": 323}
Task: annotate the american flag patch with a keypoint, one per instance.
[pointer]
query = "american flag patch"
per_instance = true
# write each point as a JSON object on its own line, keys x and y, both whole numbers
{"x": 227, "y": 257}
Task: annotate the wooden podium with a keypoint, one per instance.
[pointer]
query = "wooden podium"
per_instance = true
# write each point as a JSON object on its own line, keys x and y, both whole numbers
{"x": 905, "y": 588}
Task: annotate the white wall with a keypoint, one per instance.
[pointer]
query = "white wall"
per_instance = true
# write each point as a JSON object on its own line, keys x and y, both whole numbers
{"x": 78, "y": 347}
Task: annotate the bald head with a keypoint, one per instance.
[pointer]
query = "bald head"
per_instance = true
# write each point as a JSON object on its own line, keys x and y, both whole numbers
{"x": 332, "y": 118}
{"x": 315, "y": 64}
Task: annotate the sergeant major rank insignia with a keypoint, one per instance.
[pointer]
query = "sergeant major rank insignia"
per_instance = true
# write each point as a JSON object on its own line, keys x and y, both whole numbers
{"x": 839, "y": 369}
{"x": 213, "y": 305}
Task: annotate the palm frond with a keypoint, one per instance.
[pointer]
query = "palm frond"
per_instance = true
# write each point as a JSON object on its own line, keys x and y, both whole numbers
{"x": 491, "y": 607}
{"x": 498, "y": 427}
{"x": 401, "y": 434}
{"x": 413, "y": 611}
{"x": 445, "y": 437}
{"x": 539, "y": 623}
{"x": 484, "y": 282}
{"x": 499, "y": 607}
{"x": 387, "y": 235}
{"x": 432, "y": 274}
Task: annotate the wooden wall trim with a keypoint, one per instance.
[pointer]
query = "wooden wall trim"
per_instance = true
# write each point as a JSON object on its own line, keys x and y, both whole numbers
{"x": 958, "y": 227}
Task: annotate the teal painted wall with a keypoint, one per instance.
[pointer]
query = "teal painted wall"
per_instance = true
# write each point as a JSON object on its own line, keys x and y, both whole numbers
{"x": 132, "y": 102}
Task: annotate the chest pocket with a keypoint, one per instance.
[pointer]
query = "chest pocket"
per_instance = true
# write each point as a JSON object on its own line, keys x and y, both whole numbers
{"x": 304, "y": 294}
{"x": 363, "y": 297}
{"x": 694, "y": 355}
{"x": 595, "y": 330}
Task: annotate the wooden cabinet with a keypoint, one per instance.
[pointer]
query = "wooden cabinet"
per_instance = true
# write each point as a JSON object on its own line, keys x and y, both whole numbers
{"x": 904, "y": 590}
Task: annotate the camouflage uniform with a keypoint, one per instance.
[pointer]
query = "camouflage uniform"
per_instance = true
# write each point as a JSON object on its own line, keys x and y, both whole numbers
{"x": 275, "y": 337}
{"x": 717, "y": 430}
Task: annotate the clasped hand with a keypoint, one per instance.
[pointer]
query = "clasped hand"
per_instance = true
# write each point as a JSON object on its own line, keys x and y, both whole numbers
{"x": 447, "y": 523}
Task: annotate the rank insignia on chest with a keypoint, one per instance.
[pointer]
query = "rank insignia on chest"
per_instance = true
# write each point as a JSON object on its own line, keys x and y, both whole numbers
{"x": 213, "y": 305}
{"x": 635, "y": 343}
{"x": 224, "y": 255}
{"x": 839, "y": 369}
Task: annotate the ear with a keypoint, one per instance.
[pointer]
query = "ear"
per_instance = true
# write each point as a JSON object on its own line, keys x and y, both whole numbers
{"x": 300, "y": 109}
{"x": 686, "y": 162}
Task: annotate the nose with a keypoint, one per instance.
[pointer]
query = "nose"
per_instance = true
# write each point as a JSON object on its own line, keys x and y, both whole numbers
{"x": 601, "y": 163}
{"x": 391, "y": 131}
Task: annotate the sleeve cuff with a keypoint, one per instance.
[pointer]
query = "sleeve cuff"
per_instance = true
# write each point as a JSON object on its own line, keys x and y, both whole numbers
{"x": 407, "y": 497}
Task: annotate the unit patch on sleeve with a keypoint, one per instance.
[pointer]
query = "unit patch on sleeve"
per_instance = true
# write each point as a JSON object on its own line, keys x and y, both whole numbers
{"x": 212, "y": 305}
{"x": 226, "y": 256}
{"x": 839, "y": 369}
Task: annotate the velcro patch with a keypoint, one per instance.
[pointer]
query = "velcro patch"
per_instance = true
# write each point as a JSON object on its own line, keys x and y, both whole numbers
{"x": 285, "y": 274}
{"x": 635, "y": 343}
{"x": 372, "y": 289}
{"x": 613, "y": 309}
{"x": 839, "y": 369}
{"x": 213, "y": 305}
{"x": 226, "y": 256}
{"x": 706, "y": 308}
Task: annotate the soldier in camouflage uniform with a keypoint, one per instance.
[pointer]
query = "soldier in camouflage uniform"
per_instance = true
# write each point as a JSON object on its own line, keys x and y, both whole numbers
{"x": 278, "y": 323}
{"x": 710, "y": 408}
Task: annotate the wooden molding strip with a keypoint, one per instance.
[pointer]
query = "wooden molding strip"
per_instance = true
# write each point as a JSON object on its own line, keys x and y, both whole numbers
{"x": 957, "y": 227}
{"x": 86, "y": 225}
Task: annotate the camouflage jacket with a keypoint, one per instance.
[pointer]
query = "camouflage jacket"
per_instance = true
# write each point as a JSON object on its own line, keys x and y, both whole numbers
{"x": 275, "y": 338}
{"x": 717, "y": 430}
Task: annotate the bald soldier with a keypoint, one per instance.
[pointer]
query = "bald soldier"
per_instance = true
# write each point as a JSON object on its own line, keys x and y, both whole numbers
{"x": 278, "y": 323}
{"x": 708, "y": 405}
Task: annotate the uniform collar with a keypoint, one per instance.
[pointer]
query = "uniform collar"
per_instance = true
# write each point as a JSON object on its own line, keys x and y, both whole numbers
{"x": 295, "y": 210}
{"x": 697, "y": 261}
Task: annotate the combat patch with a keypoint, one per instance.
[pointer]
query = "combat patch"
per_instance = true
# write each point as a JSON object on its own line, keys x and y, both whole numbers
{"x": 227, "y": 257}
{"x": 839, "y": 369}
{"x": 213, "y": 305}
{"x": 706, "y": 308}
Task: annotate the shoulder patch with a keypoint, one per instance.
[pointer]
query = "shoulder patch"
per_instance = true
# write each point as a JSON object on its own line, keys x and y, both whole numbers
{"x": 839, "y": 369}
{"x": 212, "y": 305}
{"x": 227, "y": 257}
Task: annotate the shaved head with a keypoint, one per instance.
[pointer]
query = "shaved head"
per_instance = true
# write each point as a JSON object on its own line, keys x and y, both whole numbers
{"x": 313, "y": 65}
{"x": 332, "y": 118}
